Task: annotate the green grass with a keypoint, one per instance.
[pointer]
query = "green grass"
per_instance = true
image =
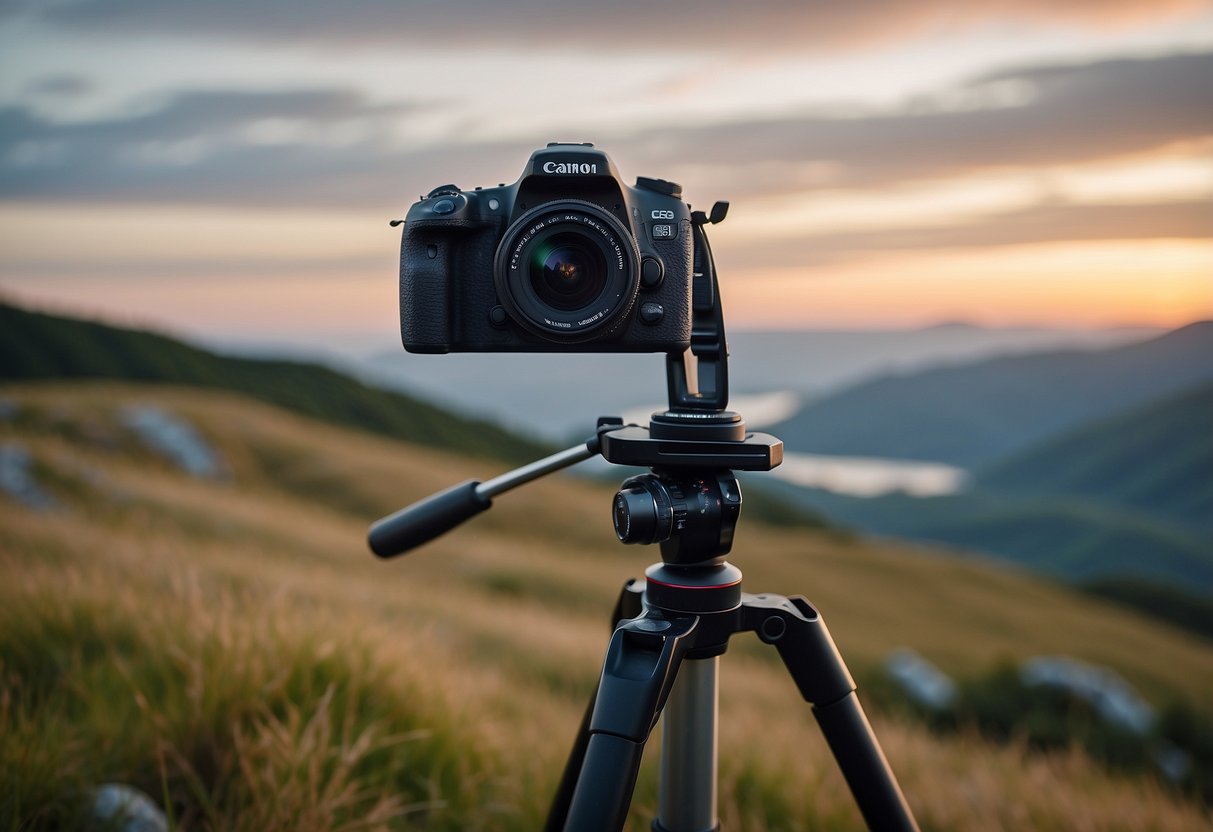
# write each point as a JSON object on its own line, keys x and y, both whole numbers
{"x": 1073, "y": 538}
{"x": 36, "y": 346}
{"x": 1156, "y": 458}
{"x": 1167, "y": 603}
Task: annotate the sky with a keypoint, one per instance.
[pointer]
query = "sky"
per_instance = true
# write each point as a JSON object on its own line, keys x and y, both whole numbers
{"x": 227, "y": 170}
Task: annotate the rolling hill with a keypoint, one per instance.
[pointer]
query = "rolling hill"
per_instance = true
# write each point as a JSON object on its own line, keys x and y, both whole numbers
{"x": 36, "y": 346}
{"x": 1157, "y": 458}
{"x": 1125, "y": 498}
{"x": 975, "y": 414}
{"x": 1072, "y": 539}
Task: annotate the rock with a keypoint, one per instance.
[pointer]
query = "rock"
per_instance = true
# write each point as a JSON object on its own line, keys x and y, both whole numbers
{"x": 174, "y": 439}
{"x": 1111, "y": 696}
{"x": 922, "y": 681}
{"x": 127, "y": 809}
{"x": 16, "y": 479}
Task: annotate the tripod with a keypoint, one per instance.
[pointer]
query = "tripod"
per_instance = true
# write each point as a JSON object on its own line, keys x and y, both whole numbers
{"x": 671, "y": 628}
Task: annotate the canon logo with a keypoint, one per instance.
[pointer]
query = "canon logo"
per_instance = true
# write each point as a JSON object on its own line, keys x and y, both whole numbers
{"x": 570, "y": 167}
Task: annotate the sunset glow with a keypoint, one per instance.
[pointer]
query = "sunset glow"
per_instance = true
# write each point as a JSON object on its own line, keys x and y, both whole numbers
{"x": 1021, "y": 165}
{"x": 1162, "y": 283}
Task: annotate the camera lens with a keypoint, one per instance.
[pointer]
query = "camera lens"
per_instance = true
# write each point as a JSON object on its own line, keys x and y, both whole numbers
{"x": 567, "y": 271}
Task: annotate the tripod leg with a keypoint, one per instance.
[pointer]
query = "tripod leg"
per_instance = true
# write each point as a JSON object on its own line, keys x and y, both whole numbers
{"x": 628, "y": 605}
{"x": 808, "y": 651}
{"x": 559, "y": 812}
{"x": 686, "y": 797}
{"x": 863, "y": 764}
{"x": 641, "y": 665}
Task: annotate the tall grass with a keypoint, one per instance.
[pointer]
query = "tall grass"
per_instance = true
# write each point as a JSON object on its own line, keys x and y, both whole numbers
{"x": 235, "y": 710}
{"x": 231, "y": 649}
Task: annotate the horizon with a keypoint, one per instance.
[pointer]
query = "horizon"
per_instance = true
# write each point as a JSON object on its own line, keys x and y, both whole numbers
{"x": 889, "y": 168}
{"x": 352, "y": 345}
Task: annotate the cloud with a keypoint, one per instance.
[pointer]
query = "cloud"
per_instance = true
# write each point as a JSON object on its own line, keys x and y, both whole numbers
{"x": 315, "y": 147}
{"x": 1064, "y": 114}
{"x": 61, "y": 86}
{"x": 1045, "y": 223}
{"x": 332, "y": 147}
{"x": 192, "y": 265}
{"x": 565, "y": 25}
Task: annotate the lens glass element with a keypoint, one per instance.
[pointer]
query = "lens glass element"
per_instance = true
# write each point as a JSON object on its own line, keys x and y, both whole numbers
{"x": 567, "y": 271}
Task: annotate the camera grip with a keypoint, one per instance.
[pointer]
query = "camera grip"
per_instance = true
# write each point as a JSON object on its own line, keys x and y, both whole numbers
{"x": 425, "y": 277}
{"x": 423, "y": 521}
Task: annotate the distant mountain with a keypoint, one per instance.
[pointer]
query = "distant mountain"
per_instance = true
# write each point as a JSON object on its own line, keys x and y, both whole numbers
{"x": 534, "y": 391}
{"x": 36, "y": 346}
{"x": 1069, "y": 538}
{"x": 1157, "y": 458}
{"x": 819, "y": 362}
{"x": 973, "y": 414}
{"x": 1124, "y": 498}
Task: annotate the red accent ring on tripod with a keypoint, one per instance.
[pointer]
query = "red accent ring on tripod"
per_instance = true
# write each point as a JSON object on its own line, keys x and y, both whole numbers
{"x": 700, "y": 590}
{"x": 687, "y": 586}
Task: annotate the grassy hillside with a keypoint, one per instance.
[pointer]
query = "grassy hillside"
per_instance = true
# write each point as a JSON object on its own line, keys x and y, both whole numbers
{"x": 1163, "y": 601}
{"x": 973, "y": 414}
{"x": 1157, "y": 458}
{"x": 35, "y": 346}
{"x": 1126, "y": 498}
{"x": 1071, "y": 538}
{"x": 230, "y": 646}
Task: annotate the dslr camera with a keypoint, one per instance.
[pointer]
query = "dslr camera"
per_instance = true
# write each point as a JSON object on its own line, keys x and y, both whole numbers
{"x": 566, "y": 259}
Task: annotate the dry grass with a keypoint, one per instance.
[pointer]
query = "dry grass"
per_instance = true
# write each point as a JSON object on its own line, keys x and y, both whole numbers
{"x": 232, "y": 648}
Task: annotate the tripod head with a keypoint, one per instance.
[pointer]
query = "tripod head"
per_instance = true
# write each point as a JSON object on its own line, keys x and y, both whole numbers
{"x": 691, "y": 501}
{"x": 692, "y": 515}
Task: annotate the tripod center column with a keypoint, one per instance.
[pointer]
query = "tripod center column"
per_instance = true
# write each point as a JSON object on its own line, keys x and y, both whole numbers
{"x": 686, "y": 797}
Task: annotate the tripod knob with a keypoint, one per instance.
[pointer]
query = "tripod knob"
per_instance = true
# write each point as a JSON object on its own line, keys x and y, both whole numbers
{"x": 642, "y": 514}
{"x": 691, "y": 513}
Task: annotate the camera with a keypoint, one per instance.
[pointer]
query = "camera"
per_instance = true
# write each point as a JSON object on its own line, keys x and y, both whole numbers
{"x": 567, "y": 259}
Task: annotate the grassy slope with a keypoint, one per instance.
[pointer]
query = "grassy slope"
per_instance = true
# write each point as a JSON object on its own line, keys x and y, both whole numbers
{"x": 1156, "y": 458}
{"x": 234, "y": 645}
{"x": 1071, "y": 538}
{"x": 36, "y": 346}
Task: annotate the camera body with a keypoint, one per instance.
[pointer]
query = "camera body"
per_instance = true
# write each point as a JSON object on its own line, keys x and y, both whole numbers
{"x": 566, "y": 259}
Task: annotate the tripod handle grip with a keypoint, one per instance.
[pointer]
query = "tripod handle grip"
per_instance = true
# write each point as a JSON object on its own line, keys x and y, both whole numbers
{"x": 423, "y": 521}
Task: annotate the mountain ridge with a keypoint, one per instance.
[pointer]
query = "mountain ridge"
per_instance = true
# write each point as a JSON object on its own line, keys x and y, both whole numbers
{"x": 1127, "y": 496}
{"x": 1156, "y": 457}
{"x": 972, "y": 414}
{"x": 531, "y": 390}
{"x": 36, "y": 346}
